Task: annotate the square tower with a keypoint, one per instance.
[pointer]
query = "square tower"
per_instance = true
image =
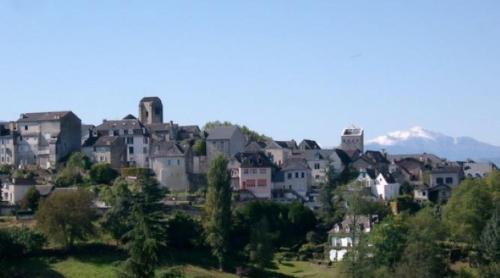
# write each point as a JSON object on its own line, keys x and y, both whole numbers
{"x": 151, "y": 111}
{"x": 352, "y": 139}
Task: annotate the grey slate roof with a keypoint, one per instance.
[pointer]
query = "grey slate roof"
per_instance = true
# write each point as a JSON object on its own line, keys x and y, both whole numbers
{"x": 43, "y": 116}
{"x": 253, "y": 160}
{"x": 307, "y": 144}
{"x": 133, "y": 124}
{"x": 222, "y": 133}
{"x": 106, "y": 141}
{"x": 166, "y": 149}
{"x": 293, "y": 164}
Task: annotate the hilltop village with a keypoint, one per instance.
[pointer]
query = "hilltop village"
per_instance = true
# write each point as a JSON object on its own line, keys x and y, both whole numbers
{"x": 36, "y": 151}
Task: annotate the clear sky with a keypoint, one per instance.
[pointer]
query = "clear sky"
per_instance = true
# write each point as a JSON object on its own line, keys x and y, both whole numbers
{"x": 290, "y": 69}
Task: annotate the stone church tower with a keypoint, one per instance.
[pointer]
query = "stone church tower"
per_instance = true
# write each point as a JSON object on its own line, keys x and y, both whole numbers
{"x": 151, "y": 111}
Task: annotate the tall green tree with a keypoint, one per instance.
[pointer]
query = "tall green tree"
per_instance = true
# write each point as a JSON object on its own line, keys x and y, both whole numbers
{"x": 117, "y": 220}
{"x": 66, "y": 216}
{"x": 145, "y": 240}
{"x": 260, "y": 249}
{"x": 217, "y": 210}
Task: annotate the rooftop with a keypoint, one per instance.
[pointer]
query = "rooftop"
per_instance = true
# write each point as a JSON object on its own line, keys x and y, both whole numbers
{"x": 43, "y": 116}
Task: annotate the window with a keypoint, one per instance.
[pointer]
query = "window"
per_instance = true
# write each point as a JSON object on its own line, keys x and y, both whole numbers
{"x": 289, "y": 176}
{"x": 145, "y": 140}
{"x": 130, "y": 140}
{"x": 254, "y": 171}
{"x": 262, "y": 182}
{"x": 262, "y": 171}
{"x": 25, "y": 127}
{"x": 296, "y": 175}
{"x": 250, "y": 183}
{"x": 439, "y": 181}
{"x": 131, "y": 150}
{"x": 116, "y": 132}
{"x": 169, "y": 162}
{"x": 178, "y": 162}
{"x": 125, "y": 131}
{"x": 145, "y": 150}
{"x": 245, "y": 171}
{"x": 317, "y": 166}
{"x": 449, "y": 180}
{"x": 303, "y": 175}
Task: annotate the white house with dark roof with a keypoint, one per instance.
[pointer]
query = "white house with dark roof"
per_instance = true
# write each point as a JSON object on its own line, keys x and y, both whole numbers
{"x": 385, "y": 187}
{"x": 225, "y": 140}
{"x": 296, "y": 177}
{"x": 47, "y": 137}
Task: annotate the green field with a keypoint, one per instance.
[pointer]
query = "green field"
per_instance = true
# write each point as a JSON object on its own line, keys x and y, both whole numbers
{"x": 104, "y": 265}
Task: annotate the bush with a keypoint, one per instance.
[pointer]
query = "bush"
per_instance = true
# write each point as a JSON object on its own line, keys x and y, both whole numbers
{"x": 17, "y": 242}
{"x": 67, "y": 177}
{"x": 102, "y": 173}
{"x": 135, "y": 172}
{"x": 183, "y": 232}
{"x": 5, "y": 169}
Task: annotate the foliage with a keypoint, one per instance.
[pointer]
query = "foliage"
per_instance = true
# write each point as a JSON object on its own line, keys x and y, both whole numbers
{"x": 23, "y": 174}
{"x": 145, "y": 239}
{"x": 102, "y": 173}
{"x": 468, "y": 210}
{"x": 389, "y": 241}
{"x": 74, "y": 171}
{"x": 217, "y": 210}
{"x": 200, "y": 147}
{"x": 5, "y": 169}
{"x": 489, "y": 245}
{"x": 31, "y": 199}
{"x": 260, "y": 250}
{"x": 250, "y": 134}
{"x": 66, "y": 216}
{"x": 183, "y": 232}
{"x": 17, "y": 242}
{"x": 407, "y": 189}
{"x": 116, "y": 221}
{"x": 135, "y": 172}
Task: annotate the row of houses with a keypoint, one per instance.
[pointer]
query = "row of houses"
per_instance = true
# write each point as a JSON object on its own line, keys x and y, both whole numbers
{"x": 271, "y": 169}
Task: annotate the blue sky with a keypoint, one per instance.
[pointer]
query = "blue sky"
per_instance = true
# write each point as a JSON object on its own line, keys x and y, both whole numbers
{"x": 290, "y": 69}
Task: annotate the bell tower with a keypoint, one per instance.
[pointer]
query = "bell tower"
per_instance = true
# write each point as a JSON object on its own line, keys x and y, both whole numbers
{"x": 151, "y": 110}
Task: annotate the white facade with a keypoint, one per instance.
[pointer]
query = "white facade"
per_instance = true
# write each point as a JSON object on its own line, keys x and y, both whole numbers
{"x": 385, "y": 190}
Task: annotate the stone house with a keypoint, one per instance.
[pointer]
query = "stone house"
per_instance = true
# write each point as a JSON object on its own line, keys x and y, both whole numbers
{"x": 136, "y": 138}
{"x": 8, "y": 144}
{"x": 225, "y": 140}
{"x": 320, "y": 160}
{"x": 107, "y": 149}
{"x": 280, "y": 151}
{"x": 172, "y": 165}
{"x": 352, "y": 140}
{"x": 449, "y": 175}
{"x": 46, "y": 138}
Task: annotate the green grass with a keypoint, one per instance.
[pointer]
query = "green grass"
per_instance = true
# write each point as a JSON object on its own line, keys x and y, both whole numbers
{"x": 103, "y": 261}
{"x": 304, "y": 269}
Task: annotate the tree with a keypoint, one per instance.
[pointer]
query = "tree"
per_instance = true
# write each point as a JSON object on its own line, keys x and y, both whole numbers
{"x": 423, "y": 256}
{"x": 489, "y": 245}
{"x": 326, "y": 194}
{"x": 468, "y": 210}
{"x": 260, "y": 250}
{"x": 31, "y": 199}
{"x": 200, "y": 147}
{"x": 183, "y": 232}
{"x": 117, "y": 220}
{"x": 74, "y": 171}
{"x": 389, "y": 241}
{"x": 66, "y": 216}
{"x": 217, "y": 210}
{"x": 102, "y": 173}
{"x": 145, "y": 239}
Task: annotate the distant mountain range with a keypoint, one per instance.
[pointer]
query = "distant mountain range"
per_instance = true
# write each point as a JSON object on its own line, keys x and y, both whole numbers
{"x": 419, "y": 140}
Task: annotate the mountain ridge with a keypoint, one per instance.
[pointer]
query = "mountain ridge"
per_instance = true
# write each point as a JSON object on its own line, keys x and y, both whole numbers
{"x": 420, "y": 140}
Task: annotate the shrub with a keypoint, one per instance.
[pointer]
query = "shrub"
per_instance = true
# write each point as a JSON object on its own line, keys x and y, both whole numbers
{"x": 102, "y": 173}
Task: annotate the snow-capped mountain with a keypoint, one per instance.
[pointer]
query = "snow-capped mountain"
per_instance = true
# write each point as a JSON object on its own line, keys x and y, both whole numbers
{"x": 419, "y": 140}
